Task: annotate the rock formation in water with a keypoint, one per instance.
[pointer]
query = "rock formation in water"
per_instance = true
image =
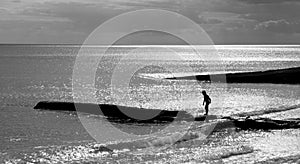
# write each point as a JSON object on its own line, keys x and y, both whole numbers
{"x": 280, "y": 76}
{"x": 117, "y": 114}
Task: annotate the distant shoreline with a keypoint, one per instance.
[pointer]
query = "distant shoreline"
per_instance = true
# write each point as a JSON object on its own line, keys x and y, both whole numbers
{"x": 279, "y": 76}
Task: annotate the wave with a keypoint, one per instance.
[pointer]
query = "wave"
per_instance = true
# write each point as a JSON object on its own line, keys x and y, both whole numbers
{"x": 147, "y": 142}
{"x": 268, "y": 111}
{"x": 239, "y": 151}
{"x": 279, "y": 76}
{"x": 265, "y": 124}
{"x": 196, "y": 133}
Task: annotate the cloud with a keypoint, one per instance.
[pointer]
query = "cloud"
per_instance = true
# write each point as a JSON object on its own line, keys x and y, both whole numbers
{"x": 268, "y": 1}
{"x": 73, "y": 20}
{"x": 204, "y": 20}
{"x": 279, "y": 26}
{"x": 13, "y": 18}
{"x": 273, "y": 11}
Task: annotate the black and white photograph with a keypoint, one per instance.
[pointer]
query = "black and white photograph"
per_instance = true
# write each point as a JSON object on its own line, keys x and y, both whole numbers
{"x": 149, "y": 81}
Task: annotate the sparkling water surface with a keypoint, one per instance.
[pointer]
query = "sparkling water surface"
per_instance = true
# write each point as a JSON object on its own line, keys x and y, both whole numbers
{"x": 44, "y": 72}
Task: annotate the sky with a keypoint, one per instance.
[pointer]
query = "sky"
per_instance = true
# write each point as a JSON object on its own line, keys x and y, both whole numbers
{"x": 225, "y": 21}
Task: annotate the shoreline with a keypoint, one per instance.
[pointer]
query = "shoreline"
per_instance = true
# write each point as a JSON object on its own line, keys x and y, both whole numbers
{"x": 115, "y": 113}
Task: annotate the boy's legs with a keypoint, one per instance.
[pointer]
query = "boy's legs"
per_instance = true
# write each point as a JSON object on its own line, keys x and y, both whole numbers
{"x": 206, "y": 109}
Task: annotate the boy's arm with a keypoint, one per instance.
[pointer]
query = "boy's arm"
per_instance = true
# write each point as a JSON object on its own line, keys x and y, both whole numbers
{"x": 203, "y": 102}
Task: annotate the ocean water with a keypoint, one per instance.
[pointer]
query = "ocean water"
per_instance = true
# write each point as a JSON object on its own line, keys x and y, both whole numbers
{"x": 33, "y": 73}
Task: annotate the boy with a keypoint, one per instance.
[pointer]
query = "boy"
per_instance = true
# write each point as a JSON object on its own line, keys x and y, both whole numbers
{"x": 207, "y": 101}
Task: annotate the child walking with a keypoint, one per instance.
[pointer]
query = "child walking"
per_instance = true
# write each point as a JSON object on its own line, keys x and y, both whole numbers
{"x": 206, "y": 101}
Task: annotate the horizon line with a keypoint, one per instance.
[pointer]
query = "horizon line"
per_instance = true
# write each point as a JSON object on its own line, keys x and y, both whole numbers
{"x": 129, "y": 45}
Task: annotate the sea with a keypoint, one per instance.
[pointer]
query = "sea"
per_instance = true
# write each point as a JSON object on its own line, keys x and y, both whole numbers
{"x": 135, "y": 76}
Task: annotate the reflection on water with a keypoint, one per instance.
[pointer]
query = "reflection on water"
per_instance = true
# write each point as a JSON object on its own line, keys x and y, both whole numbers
{"x": 32, "y": 74}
